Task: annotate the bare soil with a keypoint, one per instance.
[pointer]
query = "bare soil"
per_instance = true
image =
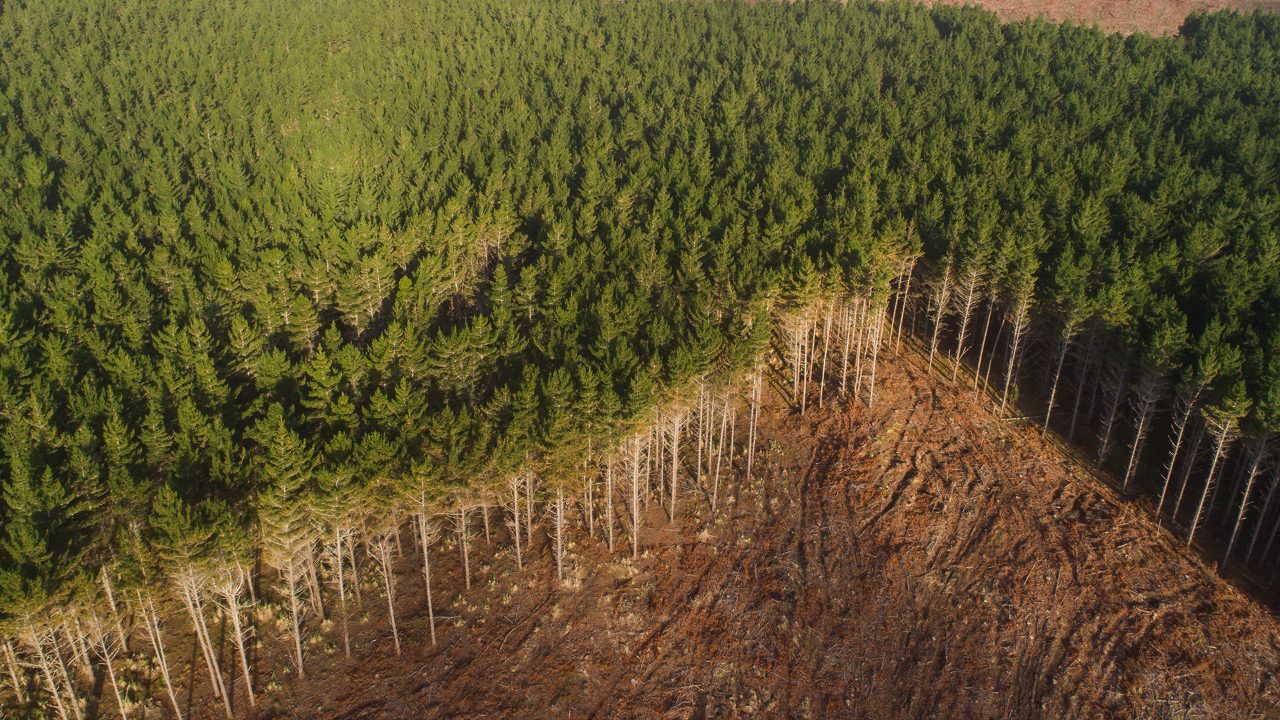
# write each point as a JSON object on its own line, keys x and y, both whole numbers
{"x": 1157, "y": 17}
{"x": 921, "y": 558}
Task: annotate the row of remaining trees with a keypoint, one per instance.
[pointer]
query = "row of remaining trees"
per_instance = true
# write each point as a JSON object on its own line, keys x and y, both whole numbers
{"x": 324, "y": 546}
{"x": 1128, "y": 345}
{"x": 265, "y": 269}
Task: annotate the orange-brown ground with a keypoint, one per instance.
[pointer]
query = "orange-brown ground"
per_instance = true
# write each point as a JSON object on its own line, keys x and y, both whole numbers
{"x": 918, "y": 559}
{"x": 1158, "y": 17}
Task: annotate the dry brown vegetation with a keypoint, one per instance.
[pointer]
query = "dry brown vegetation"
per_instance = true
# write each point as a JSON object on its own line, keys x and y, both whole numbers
{"x": 919, "y": 559}
{"x": 1158, "y": 17}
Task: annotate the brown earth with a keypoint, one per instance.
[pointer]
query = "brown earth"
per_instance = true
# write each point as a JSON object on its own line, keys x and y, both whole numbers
{"x": 1158, "y": 17}
{"x": 918, "y": 559}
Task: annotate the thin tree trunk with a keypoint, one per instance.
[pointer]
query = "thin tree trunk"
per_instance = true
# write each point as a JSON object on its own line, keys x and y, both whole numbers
{"x": 231, "y": 598}
{"x": 528, "y": 510}
{"x": 982, "y": 344}
{"x": 875, "y": 352}
{"x": 1208, "y": 483}
{"x": 385, "y": 561}
{"x": 844, "y": 361}
{"x": 426, "y": 536}
{"x": 339, "y": 561}
{"x": 11, "y": 659}
{"x": 1085, "y": 368}
{"x": 966, "y": 311}
{"x": 61, "y": 667}
{"x": 152, "y": 623}
{"x": 560, "y": 534}
{"x": 351, "y": 558}
{"x": 1019, "y": 326}
{"x": 753, "y": 419}
{"x": 195, "y": 609}
{"x": 715, "y": 490}
{"x": 863, "y": 309}
{"x": 1146, "y": 404}
{"x": 608, "y": 503}
{"x": 906, "y": 298}
{"x": 826, "y": 344}
{"x": 995, "y": 350}
{"x": 115, "y": 610}
{"x": 1262, "y": 517}
{"x": 462, "y": 545}
{"x": 1115, "y": 384}
{"x": 941, "y": 299}
{"x": 313, "y": 579}
{"x": 1186, "y": 471}
{"x": 635, "y": 499}
{"x": 515, "y": 512}
{"x": 1259, "y": 452}
{"x": 105, "y": 652}
{"x": 1181, "y": 424}
{"x": 1064, "y": 345}
{"x": 46, "y": 667}
{"x": 291, "y": 580}
{"x": 675, "y": 461}
{"x": 79, "y": 651}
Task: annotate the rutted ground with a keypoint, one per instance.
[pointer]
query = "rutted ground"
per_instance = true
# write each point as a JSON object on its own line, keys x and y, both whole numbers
{"x": 919, "y": 559}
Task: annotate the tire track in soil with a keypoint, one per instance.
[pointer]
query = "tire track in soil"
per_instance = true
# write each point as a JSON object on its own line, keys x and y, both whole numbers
{"x": 919, "y": 558}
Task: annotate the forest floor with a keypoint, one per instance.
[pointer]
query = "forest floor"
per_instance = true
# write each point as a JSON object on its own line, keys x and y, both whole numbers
{"x": 921, "y": 558}
{"x": 1157, "y": 17}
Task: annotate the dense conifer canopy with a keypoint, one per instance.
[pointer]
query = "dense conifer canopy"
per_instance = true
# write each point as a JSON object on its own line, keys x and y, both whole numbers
{"x": 261, "y": 259}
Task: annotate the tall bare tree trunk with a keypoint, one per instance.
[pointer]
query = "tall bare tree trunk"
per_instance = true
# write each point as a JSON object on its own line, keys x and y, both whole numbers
{"x": 382, "y": 547}
{"x": 826, "y": 344}
{"x": 295, "y": 612}
{"x": 101, "y": 640}
{"x": 229, "y": 590}
{"x": 188, "y": 590}
{"x": 864, "y": 308}
{"x": 11, "y": 660}
{"x": 560, "y": 534}
{"x": 1255, "y": 464}
{"x": 1064, "y": 345}
{"x": 528, "y": 510}
{"x": 64, "y": 673}
{"x": 1021, "y": 309}
{"x": 1145, "y": 403}
{"x": 152, "y": 622}
{"x": 875, "y": 352}
{"x": 982, "y": 344}
{"x": 675, "y": 460}
{"x": 715, "y": 490}
{"x": 966, "y": 311}
{"x": 339, "y": 561}
{"x": 1219, "y": 444}
{"x": 906, "y": 298}
{"x": 753, "y": 420}
{"x": 1262, "y": 517}
{"x": 608, "y": 502}
{"x": 635, "y": 498}
{"x": 1190, "y": 465}
{"x": 463, "y": 544}
{"x": 941, "y": 300}
{"x": 515, "y": 513}
{"x": 35, "y": 637}
{"x": 847, "y": 325}
{"x": 1114, "y": 382}
{"x": 427, "y": 536}
{"x": 115, "y": 610}
{"x": 1180, "y": 425}
{"x": 1085, "y": 367}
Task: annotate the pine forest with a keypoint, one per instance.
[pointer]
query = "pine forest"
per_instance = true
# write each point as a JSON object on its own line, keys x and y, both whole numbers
{"x": 291, "y": 289}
